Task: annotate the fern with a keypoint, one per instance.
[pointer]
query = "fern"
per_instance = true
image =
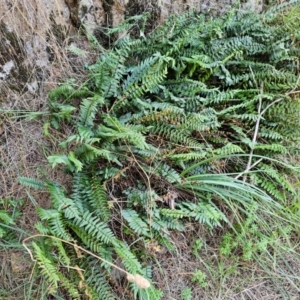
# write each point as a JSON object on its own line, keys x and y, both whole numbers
{"x": 129, "y": 260}
{"x": 71, "y": 287}
{"x": 88, "y": 109}
{"x": 41, "y": 228}
{"x": 58, "y": 227}
{"x": 156, "y": 124}
{"x": 61, "y": 202}
{"x": 93, "y": 244}
{"x": 88, "y": 191}
{"x": 33, "y": 183}
{"x": 90, "y": 153}
{"x": 5, "y": 217}
{"x": 141, "y": 196}
{"x": 63, "y": 91}
{"x": 99, "y": 200}
{"x": 72, "y": 48}
{"x": 96, "y": 282}
{"x": 62, "y": 252}
{"x": 203, "y": 212}
{"x": 107, "y": 72}
{"x": 161, "y": 222}
{"x": 164, "y": 171}
{"x": 173, "y": 213}
{"x": 188, "y": 156}
{"x": 96, "y": 228}
{"x": 153, "y": 68}
{"x": 134, "y": 221}
{"x": 270, "y": 187}
{"x": 116, "y": 130}
{"x": 47, "y": 267}
{"x": 57, "y": 223}
{"x": 229, "y": 148}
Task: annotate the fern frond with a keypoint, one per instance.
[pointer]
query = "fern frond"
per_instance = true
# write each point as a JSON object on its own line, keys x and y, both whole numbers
{"x": 5, "y": 217}
{"x": 42, "y": 229}
{"x": 204, "y": 213}
{"x": 56, "y": 222}
{"x": 175, "y": 135}
{"x": 162, "y": 222}
{"x": 279, "y": 177}
{"x": 70, "y": 286}
{"x": 173, "y": 213}
{"x": 269, "y": 186}
{"x": 164, "y": 171}
{"x": 63, "y": 91}
{"x": 272, "y": 147}
{"x": 99, "y": 200}
{"x": 74, "y": 49}
{"x": 129, "y": 260}
{"x": 61, "y": 202}
{"x": 62, "y": 252}
{"x": 142, "y": 196}
{"x": 272, "y": 12}
{"x": 32, "y": 182}
{"x": 78, "y": 195}
{"x": 46, "y": 266}
{"x": 93, "y": 244}
{"x": 229, "y": 149}
{"x": 188, "y": 156}
{"x": 47, "y": 214}
{"x": 145, "y": 76}
{"x": 96, "y": 280}
{"x": 116, "y": 130}
{"x": 107, "y": 72}
{"x": 58, "y": 227}
{"x": 88, "y": 109}
{"x": 135, "y": 222}
{"x": 89, "y": 153}
{"x": 92, "y": 225}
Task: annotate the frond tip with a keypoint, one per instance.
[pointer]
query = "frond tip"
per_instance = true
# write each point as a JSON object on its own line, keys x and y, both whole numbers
{"x": 32, "y": 182}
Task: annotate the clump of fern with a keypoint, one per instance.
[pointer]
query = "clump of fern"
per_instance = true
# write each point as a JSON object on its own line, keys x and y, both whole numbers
{"x": 160, "y": 122}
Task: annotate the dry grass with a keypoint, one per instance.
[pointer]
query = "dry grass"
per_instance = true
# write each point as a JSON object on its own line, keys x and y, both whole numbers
{"x": 226, "y": 278}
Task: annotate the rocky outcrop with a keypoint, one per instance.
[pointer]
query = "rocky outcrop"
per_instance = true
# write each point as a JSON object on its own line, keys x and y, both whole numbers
{"x": 34, "y": 34}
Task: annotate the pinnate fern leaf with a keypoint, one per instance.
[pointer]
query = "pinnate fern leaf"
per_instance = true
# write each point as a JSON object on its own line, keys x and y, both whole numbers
{"x": 46, "y": 266}
{"x": 135, "y": 222}
{"x": 92, "y": 225}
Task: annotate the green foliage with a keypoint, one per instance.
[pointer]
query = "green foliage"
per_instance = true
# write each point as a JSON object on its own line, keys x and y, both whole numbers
{"x": 162, "y": 130}
{"x": 76, "y": 220}
{"x": 5, "y": 219}
{"x": 47, "y": 266}
{"x": 10, "y": 211}
{"x": 197, "y": 246}
{"x": 134, "y": 221}
{"x": 186, "y": 294}
{"x": 31, "y": 182}
{"x": 253, "y": 235}
{"x": 199, "y": 277}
